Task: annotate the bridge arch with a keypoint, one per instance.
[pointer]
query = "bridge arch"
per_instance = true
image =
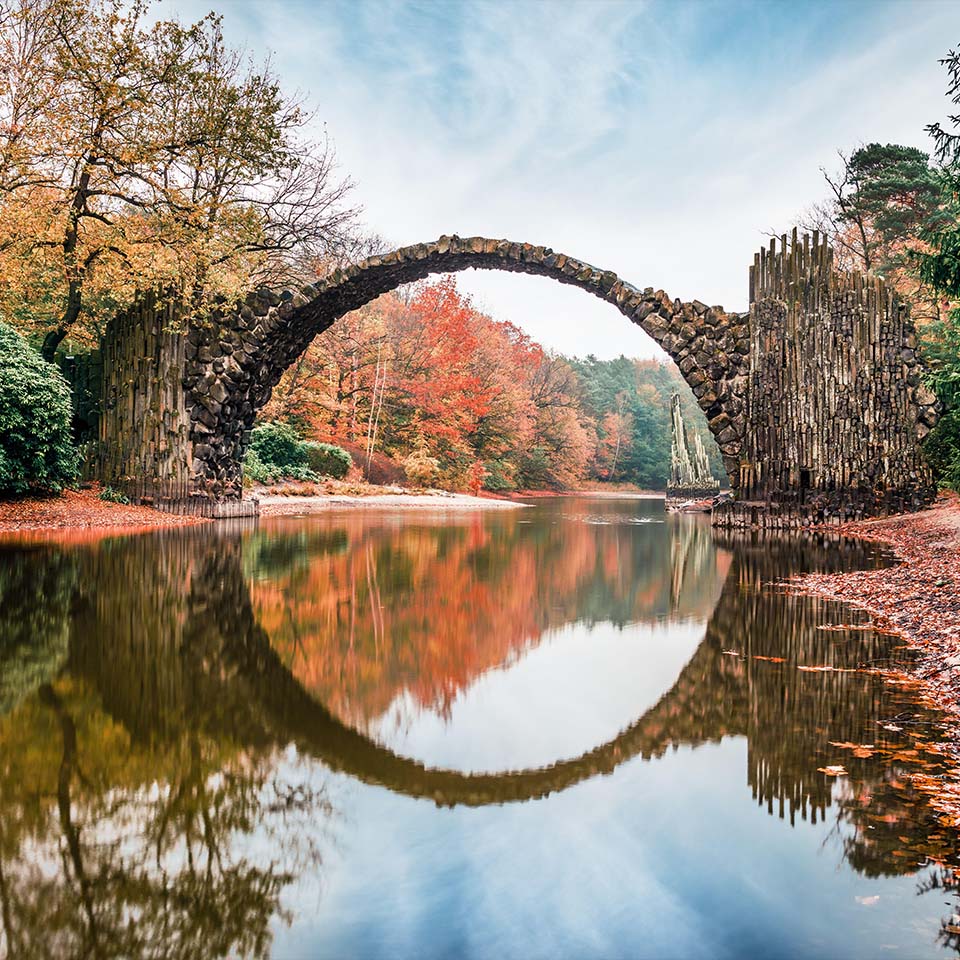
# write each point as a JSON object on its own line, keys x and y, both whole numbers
{"x": 233, "y": 364}
{"x": 679, "y": 718}
{"x": 213, "y": 668}
{"x": 815, "y": 395}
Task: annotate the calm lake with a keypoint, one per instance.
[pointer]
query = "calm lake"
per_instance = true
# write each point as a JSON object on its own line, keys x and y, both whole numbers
{"x": 578, "y": 729}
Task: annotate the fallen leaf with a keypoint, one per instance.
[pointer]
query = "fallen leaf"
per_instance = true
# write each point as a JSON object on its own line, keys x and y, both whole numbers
{"x": 827, "y": 669}
{"x": 833, "y": 771}
{"x": 862, "y": 750}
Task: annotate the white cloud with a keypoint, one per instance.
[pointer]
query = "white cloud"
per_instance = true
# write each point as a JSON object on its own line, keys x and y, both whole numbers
{"x": 616, "y": 132}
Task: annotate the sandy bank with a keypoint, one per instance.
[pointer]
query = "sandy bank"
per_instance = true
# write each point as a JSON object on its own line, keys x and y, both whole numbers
{"x": 278, "y": 505}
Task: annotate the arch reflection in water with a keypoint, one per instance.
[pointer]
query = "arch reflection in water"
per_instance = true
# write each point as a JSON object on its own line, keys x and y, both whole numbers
{"x": 362, "y": 609}
{"x": 146, "y": 775}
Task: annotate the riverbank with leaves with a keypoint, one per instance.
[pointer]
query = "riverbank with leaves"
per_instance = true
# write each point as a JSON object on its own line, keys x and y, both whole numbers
{"x": 79, "y": 514}
{"x": 918, "y": 599}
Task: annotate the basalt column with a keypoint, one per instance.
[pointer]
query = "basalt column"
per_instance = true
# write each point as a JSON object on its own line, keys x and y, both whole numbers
{"x": 144, "y": 428}
{"x": 836, "y": 410}
{"x": 147, "y": 425}
{"x": 690, "y": 477}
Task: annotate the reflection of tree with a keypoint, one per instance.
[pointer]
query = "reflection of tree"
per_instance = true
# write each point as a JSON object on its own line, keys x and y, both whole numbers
{"x": 426, "y": 608}
{"x": 146, "y": 828}
{"x": 137, "y": 788}
{"x": 34, "y": 619}
{"x": 222, "y": 657}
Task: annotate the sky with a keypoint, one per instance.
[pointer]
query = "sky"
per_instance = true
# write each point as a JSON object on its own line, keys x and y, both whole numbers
{"x": 661, "y": 140}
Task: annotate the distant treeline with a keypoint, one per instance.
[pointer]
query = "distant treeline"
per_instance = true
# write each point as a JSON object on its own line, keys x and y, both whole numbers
{"x": 461, "y": 400}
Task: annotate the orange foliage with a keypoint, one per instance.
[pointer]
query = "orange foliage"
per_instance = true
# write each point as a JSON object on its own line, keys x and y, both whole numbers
{"x": 373, "y": 610}
{"x": 425, "y": 371}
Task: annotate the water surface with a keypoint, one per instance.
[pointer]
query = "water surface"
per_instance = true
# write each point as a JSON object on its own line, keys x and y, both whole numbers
{"x": 579, "y": 729}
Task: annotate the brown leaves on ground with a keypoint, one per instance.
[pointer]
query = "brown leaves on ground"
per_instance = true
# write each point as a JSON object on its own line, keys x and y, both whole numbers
{"x": 78, "y": 515}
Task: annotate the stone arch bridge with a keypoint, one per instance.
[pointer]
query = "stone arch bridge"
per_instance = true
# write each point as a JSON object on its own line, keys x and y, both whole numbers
{"x": 813, "y": 395}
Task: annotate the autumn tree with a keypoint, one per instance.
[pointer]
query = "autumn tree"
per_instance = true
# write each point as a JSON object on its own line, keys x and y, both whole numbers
{"x": 423, "y": 377}
{"x": 882, "y": 202}
{"x": 136, "y": 153}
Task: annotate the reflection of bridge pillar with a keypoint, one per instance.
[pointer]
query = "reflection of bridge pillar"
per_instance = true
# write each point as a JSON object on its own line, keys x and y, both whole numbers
{"x": 151, "y": 621}
{"x": 175, "y": 645}
{"x": 791, "y": 714}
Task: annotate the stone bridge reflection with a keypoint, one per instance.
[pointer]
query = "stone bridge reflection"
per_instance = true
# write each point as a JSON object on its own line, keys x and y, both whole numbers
{"x": 217, "y": 666}
{"x": 164, "y": 704}
{"x": 362, "y": 611}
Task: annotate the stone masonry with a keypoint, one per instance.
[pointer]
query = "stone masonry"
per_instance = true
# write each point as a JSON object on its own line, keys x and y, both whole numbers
{"x": 836, "y": 406}
{"x": 179, "y": 403}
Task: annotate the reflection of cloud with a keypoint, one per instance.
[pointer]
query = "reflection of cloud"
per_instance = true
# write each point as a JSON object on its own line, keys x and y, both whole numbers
{"x": 663, "y": 859}
{"x": 658, "y": 140}
{"x": 579, "y": 687}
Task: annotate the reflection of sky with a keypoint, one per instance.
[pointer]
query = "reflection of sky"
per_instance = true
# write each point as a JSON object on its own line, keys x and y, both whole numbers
{"x": 670, "y": 858}
{"x": 577, "y": 689}
{"x": 667, "y": 858}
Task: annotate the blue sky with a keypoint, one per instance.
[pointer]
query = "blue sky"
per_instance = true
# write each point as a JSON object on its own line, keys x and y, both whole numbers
{"x": 660, "y": 140}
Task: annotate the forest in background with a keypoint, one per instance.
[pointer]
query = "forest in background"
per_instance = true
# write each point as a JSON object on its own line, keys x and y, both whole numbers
{"x": 421, "y": 386}
{"x": 142, "y": 153}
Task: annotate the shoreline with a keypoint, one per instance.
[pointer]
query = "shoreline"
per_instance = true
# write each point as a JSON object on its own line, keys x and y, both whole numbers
{"x": 918, "y": 600}
{"x": 278, "y": 505}
{"x": 80, "y": 515}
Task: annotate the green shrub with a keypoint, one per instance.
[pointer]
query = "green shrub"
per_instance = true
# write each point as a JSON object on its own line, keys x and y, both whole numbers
{"x": 940, "y": 345}
{"x": 257, "y": 471}
{"x": 500, "y": 476}
{"x": 254, "y": 469}
{"x": 328, "y": 460}
{"x": 277, "y": 453}
{"x": 278, "y": 444}
{"x": 112, "y": 496}
{"x": 36, "y": 452}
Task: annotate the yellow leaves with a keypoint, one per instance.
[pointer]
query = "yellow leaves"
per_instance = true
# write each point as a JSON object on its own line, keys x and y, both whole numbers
{"x": 138, "y": 155}
{"x": 835, "y": 770}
